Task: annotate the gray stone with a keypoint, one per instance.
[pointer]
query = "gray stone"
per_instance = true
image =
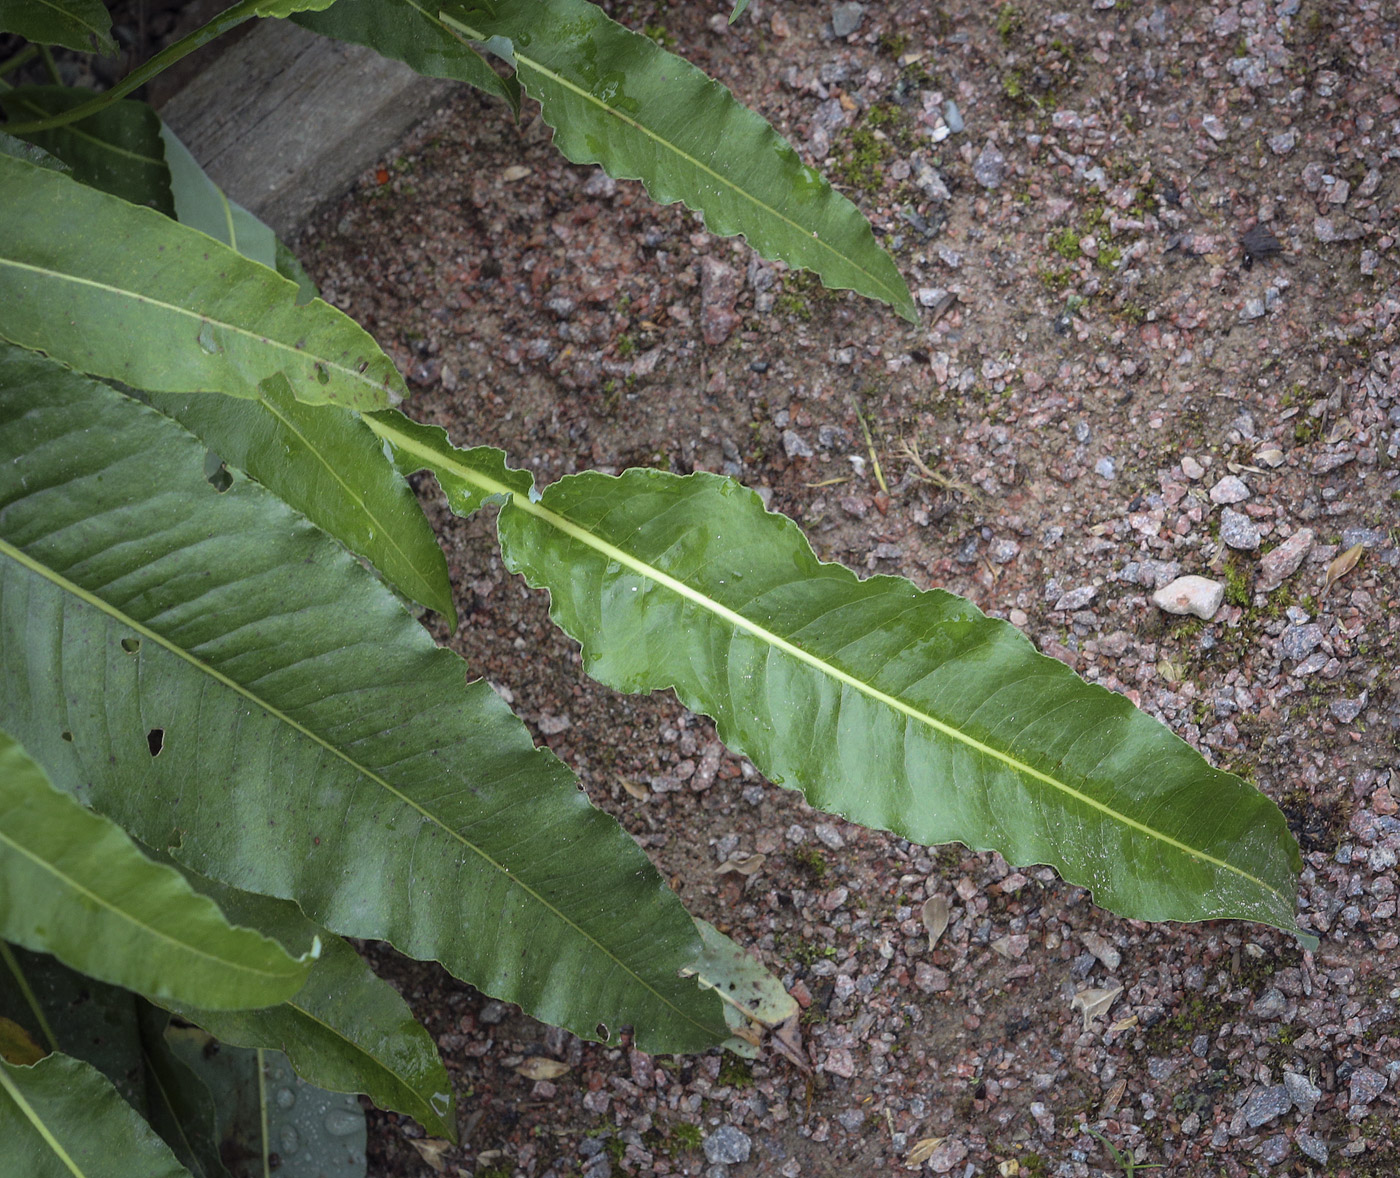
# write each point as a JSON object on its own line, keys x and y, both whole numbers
{"x": 1238, "y": 530}
{"x": 1192, "y": 469}
{"x": 1274, "y": 1150}
{"x": 728, "y": 1146}
{"x": 1266, "y": 1104}
{"x": 990, "y": 168}
{"x": 1190, "y": 595}
{"x": 1106, "y": 467}
{"x": 1077, "y": 598}
{"x": 492, "y": 1013}
{"x": 1298, "y": 642}
{"x": 1271, "y": 1004}
{"x": 719, "y": 287}
{"x": 846, "y": 18}
{"x": 1003, "y": 551}
{"x": 1366, "y": 1085}
{"x": 1230, "y": 489}
{"x": 1313, "y": 1147}
{"x": 1301, "y": 1091}
{"x": 1278, "y": 564}
{"x": 1283, "y": 142}
{"x": 1253, "y": 309}
{"x": 829, "y": 836}
{"x": 1346, "y": 710}
{"x": 794, "y": 446}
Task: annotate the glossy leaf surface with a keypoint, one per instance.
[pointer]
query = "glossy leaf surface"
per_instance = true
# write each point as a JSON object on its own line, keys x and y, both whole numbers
{"x": 346, "y": 1030}
{"x": 616, "y": 99}
{"x": 410, "y": 31}
{"x": 74, "y": 885}
{"x": 317, "y": 745}
{"x": 81, "y": 25}
{"x": 901, "y": 709}
{"x": 118, "y": 150}
{"x": 62, "y": 1118}
{"x": 126, "y": 293}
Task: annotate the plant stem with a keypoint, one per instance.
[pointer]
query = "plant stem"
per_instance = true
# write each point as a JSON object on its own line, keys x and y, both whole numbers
{"x": 28, "y": 994}
{"x": 23, "y": 57}
{"x": 167, "y": 57}
{"x": 50, "y": 66}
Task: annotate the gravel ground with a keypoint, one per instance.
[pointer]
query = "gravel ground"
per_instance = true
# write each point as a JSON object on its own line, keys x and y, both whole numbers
{"x": 1155, "y": 248}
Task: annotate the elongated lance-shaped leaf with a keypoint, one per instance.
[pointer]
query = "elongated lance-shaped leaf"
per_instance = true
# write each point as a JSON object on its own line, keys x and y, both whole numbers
{"x": 616, "y": 99}
{"x": 178, "y": 1103}
{"x": 123, "y": 292}
{"x": 346, "y": 1030}
{"x": 410, "y": 31}
{"x": 905, "y": 710}
{"x": 81, "y": 25}
{"x": 74, "y": 885}
{"x": 316, "y": 745}
{"x": 201, "y": 204}
{"x": 118, "y": 150}
{"x": 61, "y": 1118}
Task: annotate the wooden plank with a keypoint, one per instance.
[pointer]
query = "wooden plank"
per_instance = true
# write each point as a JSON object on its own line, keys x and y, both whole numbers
{"x": 284, "y": 120}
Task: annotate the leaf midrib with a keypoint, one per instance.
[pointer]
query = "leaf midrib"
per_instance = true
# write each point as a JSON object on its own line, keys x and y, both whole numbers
{"x": 894, "y": 295}
{"x": 129, "y": 918}
{"x": 77, "y": 591}
{"x": 75, "y": 130}
{"x": 491, "y": 486}
{"x": 13, "y": 1092}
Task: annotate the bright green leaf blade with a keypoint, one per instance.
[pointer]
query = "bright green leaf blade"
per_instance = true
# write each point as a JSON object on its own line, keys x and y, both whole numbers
{"x": 739, "y": 7}
{"x": 201, "y": 204}
{"x": 119, "y": 150}
{"x": 126, "y": 293}
{"x": 410, "y": 31}
{"x": 74, "y": 885}
{"x": 179, "y": 1104}
{"x": 905, "y": 710}
{"x": 616, "y": 99}
{"x": 81, "y": 25}
{"x": 369, "y": 783}
{"x": 346, "y": 1030}
{"x": 331, "y": 468}
{"x": 62, "y": 1118}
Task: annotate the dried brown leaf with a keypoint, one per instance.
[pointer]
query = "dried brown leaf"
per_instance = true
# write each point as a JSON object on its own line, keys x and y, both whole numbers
{"x": 16, "y": 1045}
{"x": 638, "y": 791}
{"x": 1342, "y": 565}
{"x": 746, "y": 865}
{"x": 1093, "y": 1002}
{"x": 1115, "y": 1095}
{"x": 922, "y": 1151}
{"x": 787, "y": 1041}
{"x": 935, "y": 917}
{"x": 431, "y": 1149}
{"x": 539, "y": 1067}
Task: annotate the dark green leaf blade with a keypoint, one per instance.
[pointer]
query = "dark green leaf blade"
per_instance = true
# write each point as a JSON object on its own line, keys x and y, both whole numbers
{"x": 410, "y": 31}
{"x": 386, "y": 798}
{"x": 119, "y": 150}
{"x": 80, "y": 25}
{"x": 61, "y": 1118}
{"x": 123, "y": 292}
{"x": 201, "y": 204}
{"x": 180, "y": 1105}
{"x": 20, "y": 150}
{"x": 617, "y": 99}
{"x": 346, "y": 1030}
{"x": 905, "y": 710}
{"x": 74, "y": 885}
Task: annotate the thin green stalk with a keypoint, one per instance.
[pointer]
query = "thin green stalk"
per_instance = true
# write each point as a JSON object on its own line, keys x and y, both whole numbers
{"x": 50, "y": 66}
{"x": 138, "y": 77}
{"x": 262, "y": 1112}
{"x": 23, "y": 57}
{"x": 23, "y": 983}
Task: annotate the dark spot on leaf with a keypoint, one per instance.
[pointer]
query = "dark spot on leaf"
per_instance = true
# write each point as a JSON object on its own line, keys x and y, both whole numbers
{"x": 68, "y": 736}
{"x": 216, "y": 474}
{"x": 131, "y": 645}
{"x": 155, "y": 741}
{"x": 322, "y": 376}
{"x": 362, "y": 366}
{"x": 602, "y": 1031}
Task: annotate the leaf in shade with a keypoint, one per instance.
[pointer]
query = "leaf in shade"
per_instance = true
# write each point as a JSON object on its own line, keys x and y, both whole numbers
{"x": 900, "y": 709}
{"x": 346, "y": 1030}
{"x": 20, "y": 150}
{"x": 80, "y": 25}
{"x": 410, "y": 31}
{"x": 617, "y": 99}
{"x": 180, "y": 1106}
{"x": 365, "y": 779}
{"x": 74, "y": 885}
{"x": 61, "y": 1118}
{"x": 739, "y": 7}
{"x": 119, "y": 150}
{"x": 201, "y": 204}
{"x": 126, "y": 293}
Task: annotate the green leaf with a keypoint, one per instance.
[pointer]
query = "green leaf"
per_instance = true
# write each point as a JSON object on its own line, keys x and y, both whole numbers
{"x": 61, "y": 1118}
{"x": 749, "y": 992}
{"x": 180, "y": 1105}
{"x": 201, "y": 204}
{"x": 293, "y": 271}
{"x": 72, "y": 884}
{"x": 616, "y": 99}
{"x": 739, "y": 7}
{"x": 905, "y": 710}
{"x": 410, "y": 31}
{"x": 21, "y": 150}
{"x": 81, "y": 25}
{"x": 317, "y": 745}
{"x": 118, "y": 150}
{"x": 126, "y": 293}
{"x": 346, "y": 1030}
